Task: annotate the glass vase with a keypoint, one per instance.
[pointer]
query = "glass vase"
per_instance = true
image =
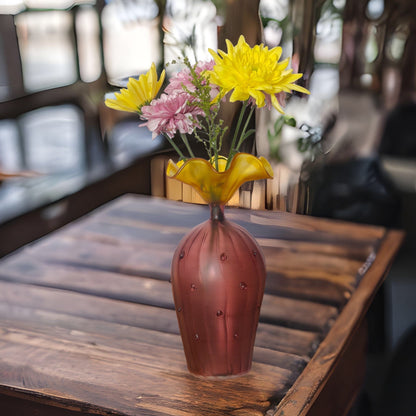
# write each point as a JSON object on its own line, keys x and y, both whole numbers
{"x": 218, "y": 271}
{"x": 218, "y": 278}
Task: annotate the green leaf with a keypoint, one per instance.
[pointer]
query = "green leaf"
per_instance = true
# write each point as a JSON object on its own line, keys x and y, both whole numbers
{"x": 290, "y": 121}
{"x": 248, "y": 133}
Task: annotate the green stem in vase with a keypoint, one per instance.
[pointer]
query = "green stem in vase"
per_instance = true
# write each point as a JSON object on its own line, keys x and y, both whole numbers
{"x": 245, "y": 134}
{"x": 185, "y": 140}
{"x": 240, "y": 120}
{"x": 173, "y": 144}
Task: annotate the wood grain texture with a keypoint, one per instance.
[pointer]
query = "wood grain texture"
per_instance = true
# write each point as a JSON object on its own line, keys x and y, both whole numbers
{"x": 87, "y": 321}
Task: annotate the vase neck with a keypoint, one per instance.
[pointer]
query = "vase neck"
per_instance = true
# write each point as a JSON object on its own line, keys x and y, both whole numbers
{"x": 217, "y": 211}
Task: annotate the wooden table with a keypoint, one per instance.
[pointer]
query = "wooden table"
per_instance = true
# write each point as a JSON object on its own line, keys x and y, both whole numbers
{"x": 87, "y": 322}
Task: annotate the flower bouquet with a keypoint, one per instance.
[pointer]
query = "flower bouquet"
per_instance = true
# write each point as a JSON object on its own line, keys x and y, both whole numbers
{"x": 190, "y": 105}
{"x": 218, "y": 271}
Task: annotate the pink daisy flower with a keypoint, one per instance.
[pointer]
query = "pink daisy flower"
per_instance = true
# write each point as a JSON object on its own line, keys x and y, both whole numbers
{"x": 170, "y": 114}
{"x": 183, "y": 79}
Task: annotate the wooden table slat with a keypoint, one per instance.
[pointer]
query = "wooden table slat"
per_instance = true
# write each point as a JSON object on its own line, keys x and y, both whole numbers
{"x": 288, "y": 344}
{"x": 298, "y": 314}
{"x": 48, "y": 365}
{"x": 324, "y": 273}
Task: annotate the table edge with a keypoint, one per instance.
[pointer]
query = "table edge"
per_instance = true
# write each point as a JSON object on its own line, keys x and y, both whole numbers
{"x": 316, "y": 374}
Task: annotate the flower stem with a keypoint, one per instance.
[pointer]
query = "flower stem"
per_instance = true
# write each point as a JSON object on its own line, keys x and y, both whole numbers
{"x": 216, "y": 159}
{"x": 240, "y": 120}
{"x": 242, "y": 138}
{"x": 185, "y": 140}
{"x": 178, "y": 151}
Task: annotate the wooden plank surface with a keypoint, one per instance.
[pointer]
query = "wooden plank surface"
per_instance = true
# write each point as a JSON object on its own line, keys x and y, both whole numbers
{"x": 87, "y": 322}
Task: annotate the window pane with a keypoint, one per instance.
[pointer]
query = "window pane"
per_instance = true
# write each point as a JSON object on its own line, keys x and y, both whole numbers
{"x": 54, "y": 139}
{"x": 88, "y": 44}
{"x": 47, "y": 49}
{"x": 10, "y": 157}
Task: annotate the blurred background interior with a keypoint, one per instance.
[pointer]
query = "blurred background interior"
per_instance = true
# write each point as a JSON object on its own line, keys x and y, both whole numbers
{"x": 351, "y": 156}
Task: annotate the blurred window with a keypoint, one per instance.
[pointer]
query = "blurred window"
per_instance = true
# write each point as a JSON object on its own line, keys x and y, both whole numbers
{"x": 375, "y": 9}
{"x": 53, "y": 139}
{"x": 49, "y": 140}
{"x": 131, "y": 38}
{"x": 396, "y": 43}
{"x": 89, "y": 48}
{"x": 47, "y": 50}
{"x": 10, "y": 154}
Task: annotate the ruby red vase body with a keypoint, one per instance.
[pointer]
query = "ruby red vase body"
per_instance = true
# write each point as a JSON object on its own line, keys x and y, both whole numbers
{"x": 218, "y": 277}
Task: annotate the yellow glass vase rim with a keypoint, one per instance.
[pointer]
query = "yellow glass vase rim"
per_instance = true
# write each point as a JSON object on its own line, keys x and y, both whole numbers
{"x": 219, "y": 186}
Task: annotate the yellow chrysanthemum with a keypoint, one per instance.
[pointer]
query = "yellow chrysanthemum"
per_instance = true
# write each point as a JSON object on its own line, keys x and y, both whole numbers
{"x": 253, "y": 72}
{"x": 138, "y": 92}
